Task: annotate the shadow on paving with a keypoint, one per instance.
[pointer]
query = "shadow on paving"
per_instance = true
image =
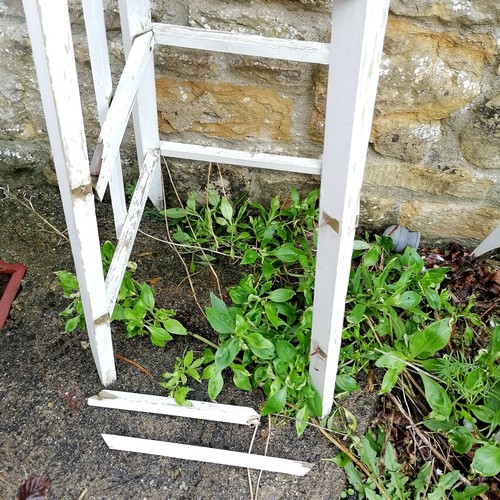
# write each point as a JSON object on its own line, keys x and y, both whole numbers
{"x": 46, "y": 376}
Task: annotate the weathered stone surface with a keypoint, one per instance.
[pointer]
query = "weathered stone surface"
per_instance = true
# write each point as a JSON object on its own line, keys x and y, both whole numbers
{"x": 317, "y": 128}
{"x": 449, "y": 220}
{"x": 480, "y": 141}
{"x": 452, "y": 181}
{"x": 269, "y": 19}
{"x": 25, "y": 163}
{"x": 405, "y": 139}
{"x": 184, "y": 63}
{"x": 377, "y": 211}
{"x": 429, "y": 74}
{"x": 223, "y": 110}
{"x": 268, "y": 71}
{"x": 464, "y": 11}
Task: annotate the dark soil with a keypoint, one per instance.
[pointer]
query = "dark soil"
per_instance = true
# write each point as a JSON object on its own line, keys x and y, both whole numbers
{"x": 46, "y": 376}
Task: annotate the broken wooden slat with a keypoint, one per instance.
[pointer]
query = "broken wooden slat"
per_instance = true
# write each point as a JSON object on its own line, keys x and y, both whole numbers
{"x": 241, "y": 158}
{"x": 129, "y": 231}
{"x": 210, "y": 455}
{"x": 120, "y": 109}
{"x": 358, "y": 28}
{"x": 135, "y": 19}
{"x": 52, "y": 46}
{"x": 103, "y": 87}
{"x": 490, "y": 243}
{"x": 167, "y": 406}
{"x": 239, "y": 43}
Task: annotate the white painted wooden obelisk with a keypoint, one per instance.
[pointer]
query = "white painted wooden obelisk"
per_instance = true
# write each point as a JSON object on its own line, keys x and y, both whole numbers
{"x": 353, "y": 58}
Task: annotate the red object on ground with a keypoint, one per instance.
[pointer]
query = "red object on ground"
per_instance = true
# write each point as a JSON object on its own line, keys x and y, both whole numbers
{"x": 14, "y": 273}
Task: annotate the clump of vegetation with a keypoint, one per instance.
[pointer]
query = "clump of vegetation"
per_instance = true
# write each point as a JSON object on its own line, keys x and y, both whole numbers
{"x": 400, "y": 318}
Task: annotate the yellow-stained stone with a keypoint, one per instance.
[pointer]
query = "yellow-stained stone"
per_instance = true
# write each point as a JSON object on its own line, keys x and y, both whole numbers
{"x": 453, "y": 181}
{"x": 430, "y": 74}
{"x": 450, "y": 220}
{"x": 223, "y": 110}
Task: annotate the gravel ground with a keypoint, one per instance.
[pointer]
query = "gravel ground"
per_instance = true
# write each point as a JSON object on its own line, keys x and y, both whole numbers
{"x": 46, "y": 376}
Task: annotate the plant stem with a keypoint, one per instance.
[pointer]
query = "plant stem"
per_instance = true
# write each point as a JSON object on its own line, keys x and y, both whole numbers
{"x": 203, "y": 339}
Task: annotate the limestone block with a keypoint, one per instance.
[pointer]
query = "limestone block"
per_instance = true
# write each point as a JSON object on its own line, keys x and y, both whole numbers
{"x": 430, "y": 74}
{"x": 376, "y": 211}
{"x": 480, "y": 141}
{"x": 450, "y": 220}
{"x": 223, "y": 110}
{"x": 452, "y": 181}
{"x": 465, "y": 11}
{"x": 402, "y": 138}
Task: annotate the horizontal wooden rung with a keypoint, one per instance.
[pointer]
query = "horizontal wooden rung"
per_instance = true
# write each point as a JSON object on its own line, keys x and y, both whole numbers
{"x": 242, "y": 158}
{"x": 240, "y": 43}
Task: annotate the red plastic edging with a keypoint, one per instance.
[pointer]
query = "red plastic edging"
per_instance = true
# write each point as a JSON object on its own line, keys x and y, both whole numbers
{"x": 16, "y": 273}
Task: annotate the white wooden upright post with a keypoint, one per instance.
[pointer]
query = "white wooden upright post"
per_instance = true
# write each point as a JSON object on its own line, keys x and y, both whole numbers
{"x": 135, "y": 19}
{"x": 101, "y": 74}
{"x": 358, "y": 28}
{"x": 52, "y": 45}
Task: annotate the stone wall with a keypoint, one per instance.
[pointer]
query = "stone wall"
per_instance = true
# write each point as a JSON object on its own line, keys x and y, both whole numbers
{"x": 434, "y": 157}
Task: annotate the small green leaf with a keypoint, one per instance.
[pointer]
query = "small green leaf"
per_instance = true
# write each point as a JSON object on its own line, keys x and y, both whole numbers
{"x": 219, "y": 317}
{"x": 174, "y": 213}
{"x": 357, "y": 313}
{"x": 286, "y": 351}
{"x": 72, "y": 324}
{"x": 361, "y": 245}
{"x": 346, "y": 383}
{"x": 406, "y": 300}
{"x": 437, "y": 398}
{"x": 432, "y": 339}
{"x": 433, "y": 298}
{"x": 469, "y": 492}
{"x": 174, "y": 326}
{"x": 271, "y": 314}
{"x": 281, "y": 295}
{"x": 67, "y": 280}
{"x": 215, "y": 385}
{"x": 288, "y": 253}
{"x": 226, "y": 353}
{"x": 302, "y": 421}
{"x": 461, "y": 439}
{"x": 249, "y": 257}
{"x": 390, "y": 379}
{"x": 241, "y": 377}
{"x": 208, "y": 372}
{"x": 486, "y": 460}
{"x": 275, "y": 403}
{"x": 180, "y": 395}
{"x": 226, "y": 208}
{"x": 260, "y": 346}
{"x": 147, "y": 297}
{"x": 371, "y": 257}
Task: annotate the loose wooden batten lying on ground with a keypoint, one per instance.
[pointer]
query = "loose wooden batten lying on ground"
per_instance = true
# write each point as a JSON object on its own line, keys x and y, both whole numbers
{"x": 194, "y": 409}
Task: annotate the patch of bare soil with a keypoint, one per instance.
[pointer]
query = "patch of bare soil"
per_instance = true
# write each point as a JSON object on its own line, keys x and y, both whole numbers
{"x": 46, "y": 376}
